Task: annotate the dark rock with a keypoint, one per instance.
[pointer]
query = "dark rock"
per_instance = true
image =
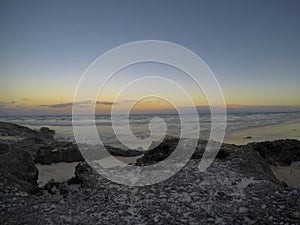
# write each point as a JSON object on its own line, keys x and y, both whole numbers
{"x": 17, "y": 169}
{"x": 85, "y": 176}
{"x": 189, "y": 197}
{"x": 237, "y": 188}
{"x": 51, "y": 186}
{"x": 247, "y": 137}
{"x": 223, "y": 153}
{"x": 158, "y": 153}
{"x": 251, "y": 163}
{"x": 280, "y": 152}
{"x": 59, "y": 152}
{"x": 11, "y": 129}
{"x": 26, "y": 139}
{"x": 46, "y": 150}
{"x": 63, "y": 189}
{"x": 14, "y": 130}
{"x": 46, "y": 130}
{"x": 226, "y": 150}
{"x": 3, "y": 148}
{"x": 69, "y": 152}
{"x": 123, "y": 153}
{"x": 165, "y": 149}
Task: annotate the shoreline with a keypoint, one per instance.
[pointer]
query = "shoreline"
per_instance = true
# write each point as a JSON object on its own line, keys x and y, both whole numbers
{"x": 287, "y": 130}
{"x": 190, "y": 195}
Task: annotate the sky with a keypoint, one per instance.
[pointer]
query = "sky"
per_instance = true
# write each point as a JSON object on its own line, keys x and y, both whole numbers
{"x": 252, "y": 47}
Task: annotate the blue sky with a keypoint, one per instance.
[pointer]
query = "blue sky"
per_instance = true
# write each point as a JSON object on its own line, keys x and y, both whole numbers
{"x": 253, "y": 47}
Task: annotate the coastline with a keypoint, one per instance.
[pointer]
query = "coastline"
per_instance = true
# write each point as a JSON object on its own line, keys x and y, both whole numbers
{"x": 191, "y": 196}
{"x": 287, "y": 130}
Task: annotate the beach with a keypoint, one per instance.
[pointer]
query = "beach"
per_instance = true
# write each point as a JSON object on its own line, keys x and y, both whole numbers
{"x": 290, "y": 130}
{"x": 289, "y": 174}
{"x": 286, "y": 130}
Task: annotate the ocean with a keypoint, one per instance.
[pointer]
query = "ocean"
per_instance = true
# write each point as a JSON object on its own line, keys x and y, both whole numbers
{"x": 139, "y": 123}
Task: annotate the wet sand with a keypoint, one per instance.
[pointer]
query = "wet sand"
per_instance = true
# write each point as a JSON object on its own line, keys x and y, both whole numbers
{"x": 58, "y": 171}
{"x": 289, "y": 174}
{"x": 289, "y": 130}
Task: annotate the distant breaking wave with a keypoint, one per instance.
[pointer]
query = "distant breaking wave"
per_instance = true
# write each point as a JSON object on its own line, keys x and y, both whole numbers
{"x": 139, "y": 123}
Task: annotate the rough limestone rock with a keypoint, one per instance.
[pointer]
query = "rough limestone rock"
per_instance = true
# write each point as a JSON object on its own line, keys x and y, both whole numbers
{"x": 280, "y": 152}
{"x": 11, "y": 129}
{"x": 85, "y": 176}
{"x": 24, "y": 138}
{"x": 59, "y": 152}
{"x": 17, "y": 169}
{"x": 237, "y": 188}
{"x": 165, "y": 149}
{"x": 46, "y": 150}
{"x": 251, "y": 162}
{"x": 225, "y": 193}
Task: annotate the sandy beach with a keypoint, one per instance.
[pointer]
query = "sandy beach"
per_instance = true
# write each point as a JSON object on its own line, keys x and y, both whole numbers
{"x": 289, "y": 130}
{"x": 288, "y": 174}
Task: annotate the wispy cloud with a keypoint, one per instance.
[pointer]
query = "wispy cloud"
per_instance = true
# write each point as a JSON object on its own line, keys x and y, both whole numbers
{"x": 128, "y": 101}
{"x": 106, "y": 103}
{"x": 58, "y": 106}
{"x": 77, "y": 104}
{"x": 66, "y": 105}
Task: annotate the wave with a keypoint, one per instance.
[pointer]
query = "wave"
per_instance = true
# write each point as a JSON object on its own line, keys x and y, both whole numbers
{"x": 235, "y": 121}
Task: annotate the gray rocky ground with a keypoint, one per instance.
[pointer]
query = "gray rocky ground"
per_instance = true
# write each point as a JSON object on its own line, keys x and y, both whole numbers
{"x": 237, "y": 188}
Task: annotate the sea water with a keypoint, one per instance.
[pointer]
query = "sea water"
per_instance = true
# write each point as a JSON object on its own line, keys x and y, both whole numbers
{"x": 139, "y": 123}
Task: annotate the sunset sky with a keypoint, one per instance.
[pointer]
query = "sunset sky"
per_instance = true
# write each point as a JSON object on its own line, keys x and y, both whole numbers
{"x": 253, "y": 48}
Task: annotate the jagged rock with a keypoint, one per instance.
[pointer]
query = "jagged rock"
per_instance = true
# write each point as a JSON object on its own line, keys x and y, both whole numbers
{"x": 59, "y": 152}
{"x": 223, "y": 153}
{"x": 25, "y": 138}
{"x": 15, "y": 130}
{"x": 237, "y": 188}
{"x": 223, "y": 194}
{"x": 11, "y": 129}
{"x": 250, "y": 162}
{"x": 165, "y": 149}
{"x": 280, "y": 152}
{"x": 51, "y": 186}
{"x": 85, "y": 176}
{"x": 124, "y": 153}
{"x": 46, "y": 130}
{"x": 46, "y": 150}
{"x": 17, "y": 169}
{"x": 69, "y": 152}
{"x": 158, "y": 153}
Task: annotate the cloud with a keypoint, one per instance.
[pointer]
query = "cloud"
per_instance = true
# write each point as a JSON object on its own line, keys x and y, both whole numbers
{"x": 128, "y": 101}
{"x": 24, "y": 99}
{"x": 58, "y": 106}
{"x": 12, "y": 102}
{"x": 106, "y": 103}
{"x": 66, "y": 105}
{"x": 77, "y": 104}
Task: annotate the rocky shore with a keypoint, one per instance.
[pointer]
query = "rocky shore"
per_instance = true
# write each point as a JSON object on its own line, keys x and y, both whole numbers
{"x": 238, "y": 188}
